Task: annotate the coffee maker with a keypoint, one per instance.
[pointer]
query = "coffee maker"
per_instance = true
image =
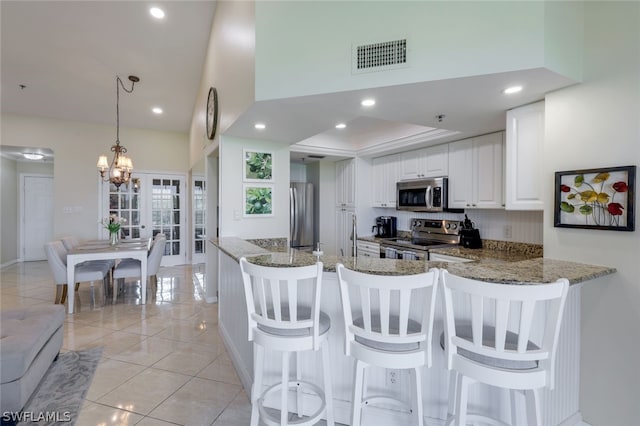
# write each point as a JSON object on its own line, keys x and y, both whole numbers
{"x": 385, "y": 227}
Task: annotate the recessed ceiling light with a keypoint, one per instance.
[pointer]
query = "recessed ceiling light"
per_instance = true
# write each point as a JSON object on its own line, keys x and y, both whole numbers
{"x": 32, "y": 156}
{"x": 260, "y": 126}
{"x": 340, "y": 126}
{"x": 156, "y": 12}
{"x": 512, "y": 89}
{"x": 156, "y": 110}
{"x": 368, "y": 102}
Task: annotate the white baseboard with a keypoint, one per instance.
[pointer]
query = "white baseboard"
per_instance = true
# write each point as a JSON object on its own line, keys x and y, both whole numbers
{"x": 9, "y": 263}
{"x": 243, "y": 374}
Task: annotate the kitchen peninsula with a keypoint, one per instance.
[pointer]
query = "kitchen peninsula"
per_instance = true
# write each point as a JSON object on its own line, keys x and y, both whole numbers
{"x": 558, "y": 407}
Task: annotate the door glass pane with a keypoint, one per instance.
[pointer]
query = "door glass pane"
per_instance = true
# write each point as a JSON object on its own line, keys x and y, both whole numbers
{"x": 199, "y": 202}
{"x": 121, "y": 205}
{"x": 166, "y": 212}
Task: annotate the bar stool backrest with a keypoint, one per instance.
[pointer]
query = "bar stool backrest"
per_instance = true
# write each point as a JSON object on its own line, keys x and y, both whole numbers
{"x": 501, "y": 319}
{"x": 274, "y": 297}
{"x": 388, "y": 313}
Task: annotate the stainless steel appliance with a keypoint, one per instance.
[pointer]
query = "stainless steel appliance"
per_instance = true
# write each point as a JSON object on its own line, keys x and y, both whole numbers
{"x": 301, "y": 215}
{"x": 422, "y": 195}
{"x": 425, "y": 234}
{"x": 385, "y": 227}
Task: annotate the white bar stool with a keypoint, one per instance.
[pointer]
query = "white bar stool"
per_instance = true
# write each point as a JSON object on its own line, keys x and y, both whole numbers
{"x": 280, "y": 320}
{"x": 488, "y": 348}
{"x": 384, "y": 328}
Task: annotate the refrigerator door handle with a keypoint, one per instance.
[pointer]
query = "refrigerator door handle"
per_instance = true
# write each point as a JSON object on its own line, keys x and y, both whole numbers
{"x": 292, "y": 217}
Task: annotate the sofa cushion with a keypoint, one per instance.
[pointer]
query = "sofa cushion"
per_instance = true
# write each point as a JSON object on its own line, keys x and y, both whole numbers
{"x": 23, "y": 333}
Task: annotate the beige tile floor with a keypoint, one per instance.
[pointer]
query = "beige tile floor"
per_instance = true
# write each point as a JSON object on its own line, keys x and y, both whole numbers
{"x": 163, "y": 363}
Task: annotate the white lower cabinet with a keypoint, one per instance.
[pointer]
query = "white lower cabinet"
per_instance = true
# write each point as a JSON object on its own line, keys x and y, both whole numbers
{"x": 344, "y": 226}
{"x": 476, "y": 172}
{"x": 368, "y": 249}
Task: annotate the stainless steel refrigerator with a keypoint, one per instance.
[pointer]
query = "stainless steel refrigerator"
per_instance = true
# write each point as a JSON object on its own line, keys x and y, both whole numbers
{"x": 301, "y": 215}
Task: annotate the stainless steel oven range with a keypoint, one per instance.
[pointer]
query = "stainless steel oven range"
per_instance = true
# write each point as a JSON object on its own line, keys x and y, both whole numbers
{"x": 425, "y": 234}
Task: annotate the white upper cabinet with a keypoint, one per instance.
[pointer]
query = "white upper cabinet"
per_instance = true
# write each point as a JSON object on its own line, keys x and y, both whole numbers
{"x": 524, "y": 144}
{"x": 475, "y": 172}
{"x": 384, "y": 175}
{"x": 346, "y": 183}
{"x": 427, "y": 162}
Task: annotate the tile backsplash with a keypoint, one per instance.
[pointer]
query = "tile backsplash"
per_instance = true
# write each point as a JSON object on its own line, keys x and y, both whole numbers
{"x": 502, "y": 225}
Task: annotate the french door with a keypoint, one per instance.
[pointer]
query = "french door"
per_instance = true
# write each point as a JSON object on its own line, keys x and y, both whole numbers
{"x": 151, "y": 204}
{"x": 199, "y": 220}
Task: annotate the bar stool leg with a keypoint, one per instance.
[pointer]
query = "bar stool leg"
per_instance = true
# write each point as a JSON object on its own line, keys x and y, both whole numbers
{"x": 258, "y": 371}
{"x": 328, "y": 393}
{"x": 533, "y": 407}
{"x": 451, "y": 408}
{"x": 462, "y": 386}
{"x": 298, "y": 386}
{"x": 416, "y": 403}
{"x": 357, "y": 393}
{"x": 513, "y": 397}
{"x": 284, "y": 395}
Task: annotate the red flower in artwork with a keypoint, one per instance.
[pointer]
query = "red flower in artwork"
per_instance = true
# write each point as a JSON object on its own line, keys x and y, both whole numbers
{"x": 565, "y": 188}
{"x": 620, "y": 187}
{"x": 615, "y": 209}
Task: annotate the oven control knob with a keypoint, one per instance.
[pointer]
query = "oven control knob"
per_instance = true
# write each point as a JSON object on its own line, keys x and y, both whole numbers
{"x": 455, "y": 226}
{"x": 448, "y": 225}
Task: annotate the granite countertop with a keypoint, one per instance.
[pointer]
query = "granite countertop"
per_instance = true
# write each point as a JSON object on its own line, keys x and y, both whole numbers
{"x": 489, "y": 265}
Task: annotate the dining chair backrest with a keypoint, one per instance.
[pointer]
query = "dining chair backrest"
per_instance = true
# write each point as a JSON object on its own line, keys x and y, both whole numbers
{"x": 69, "y": 242}
{"x": 506, "y": 312}
{"x": 155, "y": 255}
{"x": 275, "y": 299}
{"x": 388, "y": 313}
{"x": 56, "y": 257}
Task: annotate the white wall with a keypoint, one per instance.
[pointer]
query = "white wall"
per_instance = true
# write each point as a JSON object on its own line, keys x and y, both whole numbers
{"x": 8, "y": 210}
{"x": 597, "y": 124}
{"x": 304, "y": 48}
{"x": 229, "y": 67}
{"x": 232, "y": 221}
{"x": 76, "y": 148}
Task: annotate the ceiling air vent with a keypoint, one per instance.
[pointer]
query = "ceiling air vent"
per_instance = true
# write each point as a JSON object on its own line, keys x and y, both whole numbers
{"x": 315, "y": 156}
{"x": 380, "y": 56}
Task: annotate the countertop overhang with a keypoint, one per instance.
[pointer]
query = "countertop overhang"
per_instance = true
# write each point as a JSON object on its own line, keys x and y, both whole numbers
{"x": 486, "y": 265}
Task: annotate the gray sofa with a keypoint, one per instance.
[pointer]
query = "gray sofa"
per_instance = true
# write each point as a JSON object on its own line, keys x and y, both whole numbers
{"x": 30, "y": 339}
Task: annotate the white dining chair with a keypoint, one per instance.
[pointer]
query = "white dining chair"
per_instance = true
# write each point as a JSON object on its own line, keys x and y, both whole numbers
{"x": 131, "y": 268}
{"x": 488, "y": 339}
{"x": 389, "y": 324}
{"x": 283, "y": 312}
{"x": 86, "y": 272}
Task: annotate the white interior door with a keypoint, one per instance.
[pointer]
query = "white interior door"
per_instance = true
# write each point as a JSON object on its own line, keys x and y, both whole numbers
{"x": 37, "y": 212}
{"x": 151, "y": 204}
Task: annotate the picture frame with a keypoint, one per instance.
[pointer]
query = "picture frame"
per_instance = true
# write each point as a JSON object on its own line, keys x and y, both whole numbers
{"x": 602, "y": 198}
{"x": 257, "y": 166}
{"x": 257, "y": 200}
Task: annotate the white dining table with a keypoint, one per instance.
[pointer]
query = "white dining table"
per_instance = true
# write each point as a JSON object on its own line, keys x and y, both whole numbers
{"x": 101, "y": 250}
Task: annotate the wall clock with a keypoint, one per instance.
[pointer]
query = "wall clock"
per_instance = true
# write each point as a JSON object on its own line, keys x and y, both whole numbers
{"x": 212, "y": 113}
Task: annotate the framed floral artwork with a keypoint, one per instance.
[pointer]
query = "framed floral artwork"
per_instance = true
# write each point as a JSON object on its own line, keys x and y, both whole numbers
{"x": 596, "y": 199}
{"x": 257, "y": 200}
{"x": 258, "y": 166}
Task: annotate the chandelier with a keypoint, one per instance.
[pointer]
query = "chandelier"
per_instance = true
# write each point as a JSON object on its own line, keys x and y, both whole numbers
{"x": 119, "y": 171}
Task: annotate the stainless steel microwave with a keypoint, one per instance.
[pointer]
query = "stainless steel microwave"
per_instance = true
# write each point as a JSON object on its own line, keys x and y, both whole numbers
{"x": 422, "y": 195}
